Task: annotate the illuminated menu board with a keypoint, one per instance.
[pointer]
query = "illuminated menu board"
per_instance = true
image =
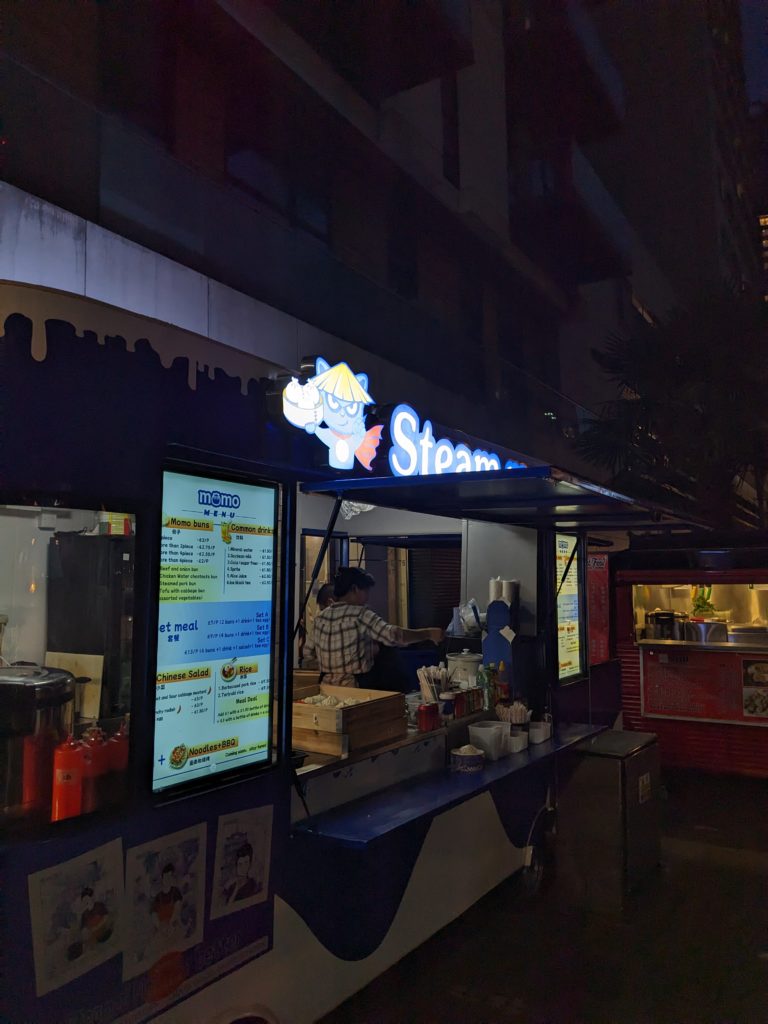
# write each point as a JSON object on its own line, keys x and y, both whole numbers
{"x": 215, "y": 628}
{"x": 568, "y": 620}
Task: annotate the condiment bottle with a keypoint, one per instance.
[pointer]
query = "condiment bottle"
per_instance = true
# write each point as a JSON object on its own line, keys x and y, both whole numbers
{"x": 447, "y": 706}
{"x": 96, "y": 768}
{"x": 119, "y": 744}
{"x": 67, "y": 794}
{"x": 502, "y": 683}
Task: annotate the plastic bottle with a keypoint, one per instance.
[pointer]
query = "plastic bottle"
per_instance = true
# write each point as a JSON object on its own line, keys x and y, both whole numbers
{"x": 484, "y": 682}
{"x": 68, "y": 764}
{"x": 119, "y": 744}
{"x": 502, "y": 683}
{"x": 96, "y": 766}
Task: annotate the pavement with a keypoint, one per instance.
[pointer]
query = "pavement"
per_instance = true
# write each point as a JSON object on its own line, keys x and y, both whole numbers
{"x": 691, "y": 946}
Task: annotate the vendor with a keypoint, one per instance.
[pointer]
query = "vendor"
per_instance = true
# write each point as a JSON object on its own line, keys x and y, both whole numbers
{"x": 349, "y": 637}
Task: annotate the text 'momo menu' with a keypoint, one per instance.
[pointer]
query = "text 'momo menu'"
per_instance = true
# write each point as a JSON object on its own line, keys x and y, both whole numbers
{"x": 214, "y": 638}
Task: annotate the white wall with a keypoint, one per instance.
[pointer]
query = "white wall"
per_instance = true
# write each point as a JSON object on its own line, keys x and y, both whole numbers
{"x": 24, "y": 576}
{"x": 491, "y": 549}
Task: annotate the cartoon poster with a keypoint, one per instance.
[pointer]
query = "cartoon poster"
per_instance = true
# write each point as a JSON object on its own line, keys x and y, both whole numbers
{"x": 241, "y": 875}
{"x": 164, "y": 899}
{"x": 75, "y": 909}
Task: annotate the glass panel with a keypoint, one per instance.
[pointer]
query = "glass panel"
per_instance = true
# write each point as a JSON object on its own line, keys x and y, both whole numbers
{"x": 66, "y": 634}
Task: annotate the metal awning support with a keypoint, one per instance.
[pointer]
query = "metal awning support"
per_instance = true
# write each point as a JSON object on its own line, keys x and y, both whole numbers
{"x": 318, "y": 564}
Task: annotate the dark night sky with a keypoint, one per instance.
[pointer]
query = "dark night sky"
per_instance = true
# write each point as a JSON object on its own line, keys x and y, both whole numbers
{"x": 755, "y": 36}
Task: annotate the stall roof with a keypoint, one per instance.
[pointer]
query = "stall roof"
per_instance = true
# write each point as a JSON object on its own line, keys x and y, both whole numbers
{"x": 538, "y": 496}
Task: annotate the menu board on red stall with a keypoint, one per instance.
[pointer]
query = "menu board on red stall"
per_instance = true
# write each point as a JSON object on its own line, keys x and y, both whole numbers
{"x": 598, "y": 598}
{"x": 710, "y": 686}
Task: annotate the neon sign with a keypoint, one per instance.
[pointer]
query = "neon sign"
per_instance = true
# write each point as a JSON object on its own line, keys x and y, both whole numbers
{"x": 416, "y": 452}
{"x": 331, "y": 405}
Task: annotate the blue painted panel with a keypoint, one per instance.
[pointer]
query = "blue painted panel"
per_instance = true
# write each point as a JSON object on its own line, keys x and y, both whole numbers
{"x": 364, "y": 821}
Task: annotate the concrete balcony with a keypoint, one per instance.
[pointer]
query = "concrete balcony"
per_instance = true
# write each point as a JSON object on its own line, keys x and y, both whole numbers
{"x": 564, "y": 216}
{"x": 566, "y": 78}
{"x": 385, "y": 47}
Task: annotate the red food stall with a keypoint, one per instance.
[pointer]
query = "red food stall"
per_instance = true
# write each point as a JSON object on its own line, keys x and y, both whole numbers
{"x": 691, "y": 634}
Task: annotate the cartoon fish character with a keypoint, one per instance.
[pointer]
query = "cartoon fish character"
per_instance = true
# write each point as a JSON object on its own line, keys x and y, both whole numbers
{"x": 345, "y": 396}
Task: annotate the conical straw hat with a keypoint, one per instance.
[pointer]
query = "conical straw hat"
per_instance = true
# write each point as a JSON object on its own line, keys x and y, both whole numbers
{"x": 340, "y": 382}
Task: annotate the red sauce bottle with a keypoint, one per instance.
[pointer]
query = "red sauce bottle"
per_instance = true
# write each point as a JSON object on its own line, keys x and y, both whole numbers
{"x": 96, "y": 769}
{"x": 68, "y": 765}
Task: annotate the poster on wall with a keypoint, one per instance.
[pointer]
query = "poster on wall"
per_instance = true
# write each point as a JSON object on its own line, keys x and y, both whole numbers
{"x": 755, "y": 688}
{"x": 165, "y": 904}
{"x": 568, "y": 618}
{"x": 215, "y": 628}
{"x": 241, "y": 871}
{"x": 75, "y": 911}
{"x": 598, "y": 603}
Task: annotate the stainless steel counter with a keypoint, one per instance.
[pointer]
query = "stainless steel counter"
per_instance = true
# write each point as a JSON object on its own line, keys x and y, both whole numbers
{"x": 692, "y": 645}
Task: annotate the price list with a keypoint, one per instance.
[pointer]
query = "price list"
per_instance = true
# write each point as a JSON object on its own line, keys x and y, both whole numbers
{"x": 214, "y": 644}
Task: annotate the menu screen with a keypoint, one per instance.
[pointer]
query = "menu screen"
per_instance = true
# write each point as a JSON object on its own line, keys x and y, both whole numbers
{"x": 568, "y": 621}
{"x": 215, "y": 628}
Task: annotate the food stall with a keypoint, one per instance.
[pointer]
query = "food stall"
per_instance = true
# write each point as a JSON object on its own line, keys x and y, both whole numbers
{"x": 158, "y": 857}
{"x": 692, "y": 635}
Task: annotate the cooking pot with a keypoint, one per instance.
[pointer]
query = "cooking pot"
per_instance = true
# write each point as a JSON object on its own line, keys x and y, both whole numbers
{"x": 462, "y": 668}
{"x": 665, "y": 625}
{"x": 36, "y": 713}
{"x": 705, "y": 632}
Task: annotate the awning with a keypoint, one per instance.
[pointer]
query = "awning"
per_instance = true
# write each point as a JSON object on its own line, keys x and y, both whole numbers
{"x": 536, "y": 497}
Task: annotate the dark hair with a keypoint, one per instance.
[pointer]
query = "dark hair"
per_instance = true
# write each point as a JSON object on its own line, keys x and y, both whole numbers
{"x": 246, "y": 850}
{"x": 325, "y": 595}
{"x": 87, "y": 891}
{"x": 168, "y": 867}
{"x": 349, "y": 576}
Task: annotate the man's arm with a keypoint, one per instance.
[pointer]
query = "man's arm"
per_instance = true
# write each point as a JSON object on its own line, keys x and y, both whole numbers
{"x": 416, "y": 636}
{"x": 395, "y": 636}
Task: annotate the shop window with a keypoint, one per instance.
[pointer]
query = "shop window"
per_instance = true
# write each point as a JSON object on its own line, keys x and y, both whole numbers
{"x": 66, "y": 634}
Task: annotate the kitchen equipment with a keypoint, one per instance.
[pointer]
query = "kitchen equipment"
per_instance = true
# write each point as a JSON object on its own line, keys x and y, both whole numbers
{"x": 665, "y": 625}
{"x": 36, "y": 713}
{"x": 705, "y": 632}
{"x": 747, "y": 633}
{"x": 462, "y": 668}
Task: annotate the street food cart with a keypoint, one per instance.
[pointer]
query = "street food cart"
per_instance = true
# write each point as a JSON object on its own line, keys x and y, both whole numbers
{"x": 158, "y": 857}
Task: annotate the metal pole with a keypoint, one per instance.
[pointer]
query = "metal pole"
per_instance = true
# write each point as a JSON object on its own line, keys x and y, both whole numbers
{"x": 318, "y": 562}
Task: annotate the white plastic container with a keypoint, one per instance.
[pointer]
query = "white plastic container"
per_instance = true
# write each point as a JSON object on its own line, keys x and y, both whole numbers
{"x": 539, "y": 732}
{"x": 491, "y": 738}
{"x": 518, "y": 741}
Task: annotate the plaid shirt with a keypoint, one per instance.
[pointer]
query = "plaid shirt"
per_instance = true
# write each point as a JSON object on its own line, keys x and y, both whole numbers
{"x": 345, "y": 641}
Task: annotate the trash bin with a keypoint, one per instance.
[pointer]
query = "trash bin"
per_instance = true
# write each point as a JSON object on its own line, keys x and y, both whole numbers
{"x": 608, "y": 829}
